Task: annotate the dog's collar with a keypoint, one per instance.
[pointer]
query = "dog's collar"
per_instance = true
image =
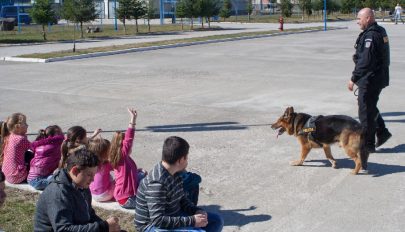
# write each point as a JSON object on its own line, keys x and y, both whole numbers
{"x": 295, "y": 123}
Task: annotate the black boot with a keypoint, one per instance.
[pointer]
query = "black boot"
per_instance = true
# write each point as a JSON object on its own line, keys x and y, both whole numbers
{"x": 383, "y": 137}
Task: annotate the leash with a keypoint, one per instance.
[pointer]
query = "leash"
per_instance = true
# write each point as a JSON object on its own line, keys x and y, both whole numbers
{"x": 356, "y": 92}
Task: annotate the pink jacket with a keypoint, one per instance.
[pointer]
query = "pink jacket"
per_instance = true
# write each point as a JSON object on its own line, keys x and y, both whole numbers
{"x": 102, "y": 181}
{"x": 126, "y": 172}
{"x": 47, "y": 156}
{"x": 13, "y": 161}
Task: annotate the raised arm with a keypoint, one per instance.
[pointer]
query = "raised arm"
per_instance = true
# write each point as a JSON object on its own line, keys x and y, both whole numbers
{"x": 130, "y": 133}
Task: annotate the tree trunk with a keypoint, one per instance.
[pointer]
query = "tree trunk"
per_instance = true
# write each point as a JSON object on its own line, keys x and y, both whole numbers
{"x": 148, "y": 24}
{"x": 192, "y": 23}
{"x": 136, "y": 25}
{"x": 248, "y": 17}
{"x": 181, "y": 19}
{"x": 43, "y": 31}
{"x": 209, "y": 22}
{"x": 81, "y": 30}
{"x": 125, "y": 27}
{"x": 202, "y": 22}
{"x": 74, "y": 37}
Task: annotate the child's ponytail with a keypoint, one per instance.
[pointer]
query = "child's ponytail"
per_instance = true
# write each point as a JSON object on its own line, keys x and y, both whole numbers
{"x": 115, "y": 149}
{"x": 3, "y": 136}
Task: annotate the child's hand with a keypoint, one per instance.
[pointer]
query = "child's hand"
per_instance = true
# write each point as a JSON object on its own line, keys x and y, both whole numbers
{"x": 133, "y": 114}
{"x": 143, "y": 170}
{"x": 95, "y": 133}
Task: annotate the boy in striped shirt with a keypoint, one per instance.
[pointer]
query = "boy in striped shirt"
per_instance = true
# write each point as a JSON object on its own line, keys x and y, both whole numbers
{"x": 161, "y": 204}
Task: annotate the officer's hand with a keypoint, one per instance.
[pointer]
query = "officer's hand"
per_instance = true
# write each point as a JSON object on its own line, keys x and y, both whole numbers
{"x": 350, "y": 85}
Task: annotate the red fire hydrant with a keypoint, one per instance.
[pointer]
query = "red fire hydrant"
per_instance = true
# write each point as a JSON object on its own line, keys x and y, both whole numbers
{"x": 281, "y": 21}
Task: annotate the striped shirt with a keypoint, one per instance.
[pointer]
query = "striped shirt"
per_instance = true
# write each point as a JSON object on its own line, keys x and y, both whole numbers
{"x": 160, "y": 200}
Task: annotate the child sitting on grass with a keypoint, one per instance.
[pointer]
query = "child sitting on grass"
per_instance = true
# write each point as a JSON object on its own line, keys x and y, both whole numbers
{"x": 14, "y": 148}
{"x": 102, "y": 188}
{"x": 127, "y": 175}
{"x": 47, "y": 154}
{"x": 76, "y": 137}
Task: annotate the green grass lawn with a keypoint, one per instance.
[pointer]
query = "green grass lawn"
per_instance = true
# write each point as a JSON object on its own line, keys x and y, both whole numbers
{"x": 64, "y": 32}
{"x": 157, "y": 43}
{"x": 17, "y": 214}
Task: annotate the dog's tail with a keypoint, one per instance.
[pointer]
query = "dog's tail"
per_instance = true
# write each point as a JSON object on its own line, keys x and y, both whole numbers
{"x": 364, "y": 154}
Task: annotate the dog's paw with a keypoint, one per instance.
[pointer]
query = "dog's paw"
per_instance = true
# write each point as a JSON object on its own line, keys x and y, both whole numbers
{"x": 296, "y": 163}
{"x": 354, "y": 172}
{"x": 334, "y": 165}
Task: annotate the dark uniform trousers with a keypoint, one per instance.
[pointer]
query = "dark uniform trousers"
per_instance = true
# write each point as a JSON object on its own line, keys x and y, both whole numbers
{"x": 369, "y": 115}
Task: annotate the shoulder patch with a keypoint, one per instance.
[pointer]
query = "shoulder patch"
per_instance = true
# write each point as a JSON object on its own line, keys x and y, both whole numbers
{"x": 368, "y": 44}
{"x": 385, "y": 39}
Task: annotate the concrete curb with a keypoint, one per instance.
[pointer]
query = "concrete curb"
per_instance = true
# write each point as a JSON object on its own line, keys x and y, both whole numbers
{"x": 151, "y": 48}
{"x": 111, "y": 205}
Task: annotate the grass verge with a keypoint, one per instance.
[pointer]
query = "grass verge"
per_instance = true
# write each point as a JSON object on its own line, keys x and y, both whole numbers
{"x": 157, "y": 43}
{"x": 17, "y": 214}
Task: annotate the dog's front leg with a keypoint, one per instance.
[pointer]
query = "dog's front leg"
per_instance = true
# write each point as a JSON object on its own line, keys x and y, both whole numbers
{"x": 305, "y": 149}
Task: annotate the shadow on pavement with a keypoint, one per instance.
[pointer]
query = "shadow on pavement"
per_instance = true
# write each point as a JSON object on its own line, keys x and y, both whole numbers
{"x": 389, "y": 114}
{"x": 191, "y": 127}
{"x": 234, "y": 217}
{"x": 214, "y": 126}
{"x": 375, "y": 169}
{"x": 397, "y": 149}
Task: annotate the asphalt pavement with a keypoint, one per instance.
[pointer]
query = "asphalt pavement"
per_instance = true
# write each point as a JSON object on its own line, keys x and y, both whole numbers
{"x": 222, "y": 99}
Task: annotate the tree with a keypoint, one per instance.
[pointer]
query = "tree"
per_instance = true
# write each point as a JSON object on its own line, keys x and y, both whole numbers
{"x": 306, "y": 7}
{"x": 138, "y": 11}
{"x": 181, "y": 11}
{"x": 286, "y": 8}
{"x": 150, "y": 12}
{"x": 124, "y": 12}
{"x": 42, "y": 13}
{"x": 226, "y": 9}
{"x": 386, "y": 4}
{"x": 209, "y": 8}
{"x": 370, "y": 3}
{"x": 249, "y": 9}
{"x": 192, "y": 9}
{"x": 79, "y": 11}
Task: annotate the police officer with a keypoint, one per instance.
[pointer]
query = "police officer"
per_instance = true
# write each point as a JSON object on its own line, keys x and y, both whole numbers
{"x": 371, "y": 75}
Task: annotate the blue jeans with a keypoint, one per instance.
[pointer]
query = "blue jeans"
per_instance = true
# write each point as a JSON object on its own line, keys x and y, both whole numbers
{"x": 40, "y": 183}
{"x": 215, "y": 224}
{"x": 131, "y": 202}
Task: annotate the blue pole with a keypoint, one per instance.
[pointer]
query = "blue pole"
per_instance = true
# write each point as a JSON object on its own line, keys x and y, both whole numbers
{"x": 18, "y": 17}
{"x": 115, "y": 16}
{"x": 324, "y": 14}
{"x": 162, "y": 15}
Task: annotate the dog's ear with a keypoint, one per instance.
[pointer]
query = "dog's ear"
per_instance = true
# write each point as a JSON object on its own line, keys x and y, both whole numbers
{"x": 289, "y": 111}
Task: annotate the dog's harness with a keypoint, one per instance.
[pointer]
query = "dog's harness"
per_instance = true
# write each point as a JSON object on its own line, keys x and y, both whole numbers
{"x": 309, "y": 128}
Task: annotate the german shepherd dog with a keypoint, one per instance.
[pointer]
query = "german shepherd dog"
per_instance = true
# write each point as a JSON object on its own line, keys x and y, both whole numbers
{"x": 328, "y": 130}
